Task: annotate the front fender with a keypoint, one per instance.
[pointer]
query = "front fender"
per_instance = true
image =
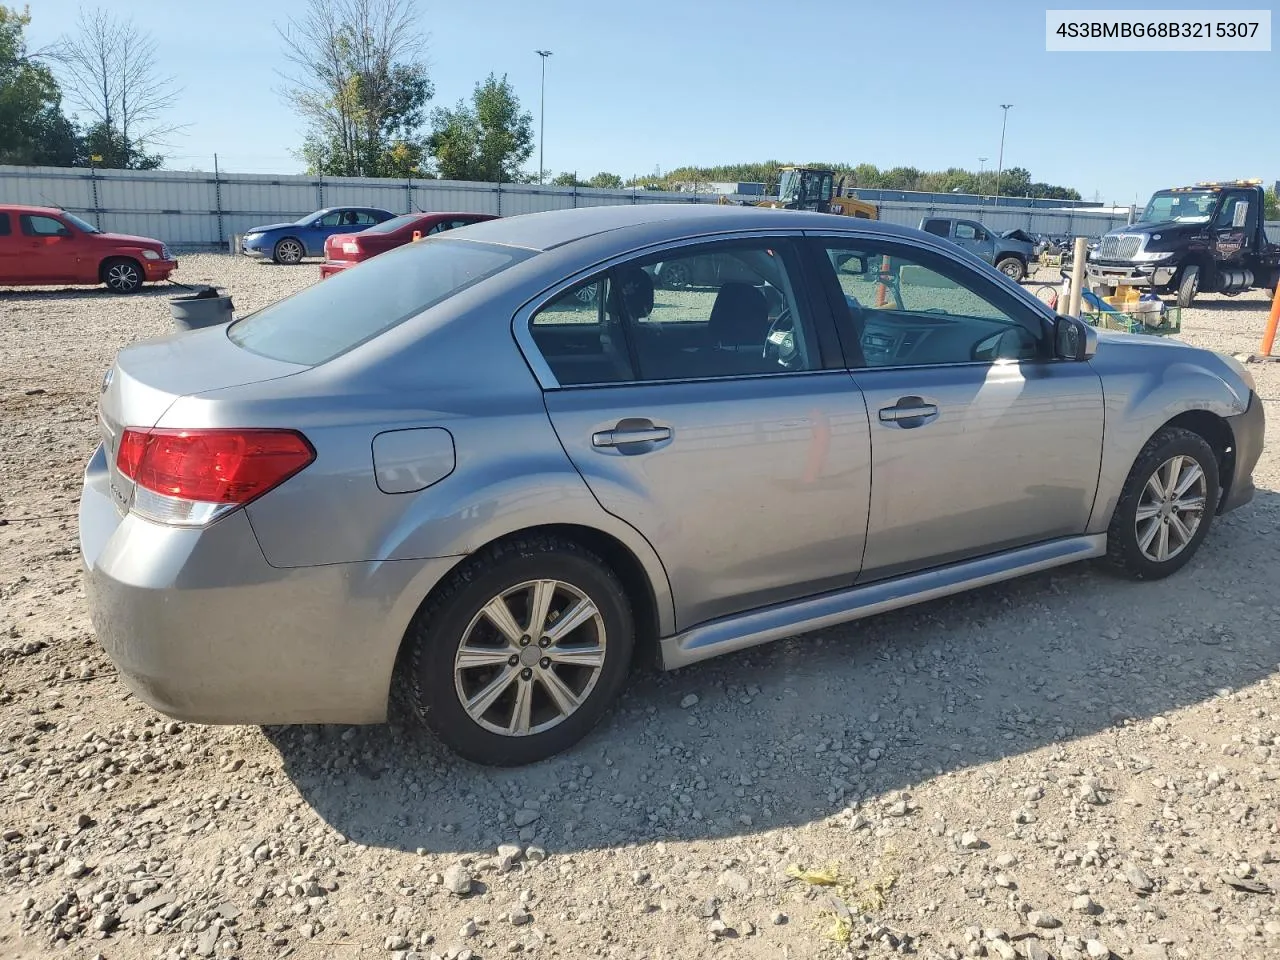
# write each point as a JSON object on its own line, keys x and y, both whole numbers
{"x": 1137, "y": 403}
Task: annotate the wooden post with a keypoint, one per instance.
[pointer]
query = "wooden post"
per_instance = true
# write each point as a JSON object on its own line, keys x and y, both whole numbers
{"x": 1077, "y": 275}
{"x": 1269, "y": 335}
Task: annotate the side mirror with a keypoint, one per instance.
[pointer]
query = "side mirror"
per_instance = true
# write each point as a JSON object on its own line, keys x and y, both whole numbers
{"x": 851, "y": 263}
{"x": 1074, "y": 339}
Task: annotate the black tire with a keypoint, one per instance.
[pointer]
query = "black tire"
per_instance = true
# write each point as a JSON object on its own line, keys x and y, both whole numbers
{"x": 675, "y": 276}
{"x": 434, "y": 637}
{"x": 288, "y": 251}
{"x": 122, "y": 275}
{"x": 1188, "y": 285}
{"x": 1013, "y": 268}
{"x": 1124, "y": 551}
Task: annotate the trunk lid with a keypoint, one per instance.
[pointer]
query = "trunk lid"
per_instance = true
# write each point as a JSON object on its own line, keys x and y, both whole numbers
{"x": 147, "y": 378}
{"x": 333, "y": 247}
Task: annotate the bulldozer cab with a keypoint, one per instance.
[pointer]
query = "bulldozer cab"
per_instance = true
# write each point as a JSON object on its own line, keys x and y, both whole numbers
{"x": 804, "y": 188}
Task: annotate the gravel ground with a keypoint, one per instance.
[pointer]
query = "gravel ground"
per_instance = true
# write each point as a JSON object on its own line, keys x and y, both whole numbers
{"x": 1067, "y": 766}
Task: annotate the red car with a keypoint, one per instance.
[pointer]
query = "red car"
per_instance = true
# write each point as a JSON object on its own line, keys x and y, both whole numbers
{"x": 45, "y": 245}
{"x": 344, "y": 250}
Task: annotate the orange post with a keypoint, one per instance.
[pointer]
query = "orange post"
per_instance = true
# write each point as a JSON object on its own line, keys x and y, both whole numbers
{"x": 1269, "y": 335}
{"x": 882, "y": 288}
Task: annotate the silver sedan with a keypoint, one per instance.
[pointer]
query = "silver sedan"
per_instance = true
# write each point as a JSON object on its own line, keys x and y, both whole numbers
{"x": 487, "y": 469}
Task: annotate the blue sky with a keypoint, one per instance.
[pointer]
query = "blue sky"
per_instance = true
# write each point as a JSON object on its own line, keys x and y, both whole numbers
{"x": 631, "y": 87}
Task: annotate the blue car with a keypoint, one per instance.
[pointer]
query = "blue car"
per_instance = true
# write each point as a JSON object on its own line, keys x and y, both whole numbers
{"x": 290, "y": 242}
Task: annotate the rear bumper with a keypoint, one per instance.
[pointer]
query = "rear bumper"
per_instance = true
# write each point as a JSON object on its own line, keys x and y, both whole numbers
{"x": 331, "y": 267}
{"x": 1249, "y": 431}
{"x": 203, "y": 629}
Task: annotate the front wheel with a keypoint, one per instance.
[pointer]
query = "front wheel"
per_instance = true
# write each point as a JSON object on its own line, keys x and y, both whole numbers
{"x": 122, "y": 276}
{"x": 288, "y": 251}
{"x": 521, "y": 653}
{"x": 1166, "y": 507}
{"x": 1013, "y": 268}
{"x": 1188, "y": 286}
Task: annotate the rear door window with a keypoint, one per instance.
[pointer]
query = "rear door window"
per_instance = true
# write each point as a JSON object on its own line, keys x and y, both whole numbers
{"x": 4, "y": 225}
{"x": 330, "y": 318}
{"x": 939, "y": 228}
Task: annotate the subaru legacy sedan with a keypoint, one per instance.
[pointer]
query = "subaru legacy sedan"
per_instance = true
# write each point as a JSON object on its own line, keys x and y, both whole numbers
{"x": 484, "y": 469}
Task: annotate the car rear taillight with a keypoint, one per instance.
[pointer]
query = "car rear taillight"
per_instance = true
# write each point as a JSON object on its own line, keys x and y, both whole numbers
{"x": 193, "y": 477}
{"x": 351, "y": 246}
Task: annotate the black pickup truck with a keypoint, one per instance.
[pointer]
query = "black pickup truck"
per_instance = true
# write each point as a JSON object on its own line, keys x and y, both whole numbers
{"x": 1210, "y": 238}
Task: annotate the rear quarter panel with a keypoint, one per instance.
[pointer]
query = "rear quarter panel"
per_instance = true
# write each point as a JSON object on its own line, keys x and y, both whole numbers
{"x": 1146, "y": 382}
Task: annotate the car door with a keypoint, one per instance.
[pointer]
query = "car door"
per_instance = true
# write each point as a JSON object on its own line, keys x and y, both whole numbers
{"x": 9, "y": 249}
{"x": 968, "y": 235}
{"x": 716, "y": 419}
{"x": 47, "y": 249}
{"x": 1233, "y": 226}
{"x": 979, "y": 441}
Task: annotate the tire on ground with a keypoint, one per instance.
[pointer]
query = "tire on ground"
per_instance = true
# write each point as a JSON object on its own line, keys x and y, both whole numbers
{"x": 433, "y": 639}
{"x": 1124, "y": 550}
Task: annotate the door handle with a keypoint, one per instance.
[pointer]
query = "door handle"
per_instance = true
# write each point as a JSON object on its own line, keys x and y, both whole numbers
{"x": 619, "y": 437}
{"x": 907, "y": 409}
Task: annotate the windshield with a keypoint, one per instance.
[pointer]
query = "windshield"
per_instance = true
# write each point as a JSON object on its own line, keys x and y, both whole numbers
{"x": 1185, "y": 206}
{"x": 394, "y": 224}
{"x": 333, "y": 316}
{"x": 86, "y": 227}
{"x": 789, "y": 186}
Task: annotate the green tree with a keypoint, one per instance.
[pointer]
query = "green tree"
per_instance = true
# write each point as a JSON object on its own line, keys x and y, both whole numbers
{"x": 567, "y": 179}
{"x": 606, "y": 181}
{"x": 361, "y": 85}
{"x": 33, "y": 129}
{"x": 487, "y": 139}
{"x": 1271, "y": 205}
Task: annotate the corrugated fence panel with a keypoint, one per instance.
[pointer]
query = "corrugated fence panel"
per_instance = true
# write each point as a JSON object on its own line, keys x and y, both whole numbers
{"x": 47, "y": 186}
{"x": 182, "y": 207}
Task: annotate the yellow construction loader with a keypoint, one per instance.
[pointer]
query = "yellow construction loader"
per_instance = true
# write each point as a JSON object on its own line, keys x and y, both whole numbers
{"x": 812, "y": 188}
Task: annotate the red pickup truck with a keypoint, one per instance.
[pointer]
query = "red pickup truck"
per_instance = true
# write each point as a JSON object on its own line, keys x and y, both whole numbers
{"x": 44, "y": 245}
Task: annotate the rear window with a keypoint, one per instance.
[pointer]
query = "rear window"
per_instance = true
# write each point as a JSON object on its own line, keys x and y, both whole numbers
{"x": 334, "y": 315}
{"x": 394, "y": 224}
{"x": 4, "y": 224}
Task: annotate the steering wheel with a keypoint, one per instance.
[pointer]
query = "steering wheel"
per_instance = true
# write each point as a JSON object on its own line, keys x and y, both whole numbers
{"x": 780, "y": 342}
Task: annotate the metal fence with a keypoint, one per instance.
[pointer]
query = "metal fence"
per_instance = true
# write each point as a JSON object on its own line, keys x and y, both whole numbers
{"x": 200, "y": 209}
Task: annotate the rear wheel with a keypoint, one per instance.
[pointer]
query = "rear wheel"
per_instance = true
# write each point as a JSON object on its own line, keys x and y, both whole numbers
{"x": 288, "y": 251}
{"x": 122, "y": 275}
{"x": 1166, "y": 507}
{"x": 1013, "y": 268}
{"x": 521, "y": 653}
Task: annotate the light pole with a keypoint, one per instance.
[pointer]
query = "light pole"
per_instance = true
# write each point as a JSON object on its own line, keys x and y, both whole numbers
{"x": 1000, "y": 163}
{"x": 982, "y": 161}
{"x": 542, "y": 123}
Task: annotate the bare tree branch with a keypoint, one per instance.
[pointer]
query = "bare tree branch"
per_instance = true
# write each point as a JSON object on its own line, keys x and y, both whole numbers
{"x": 108, "y": 70}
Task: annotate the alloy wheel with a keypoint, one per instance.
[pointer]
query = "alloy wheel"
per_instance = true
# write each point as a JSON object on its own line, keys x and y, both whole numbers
{"x": 530, "y": 658}
{"x": 1171, "y": 508}
{"x": 122, "y": 277}
{"x": 289, "y": 251}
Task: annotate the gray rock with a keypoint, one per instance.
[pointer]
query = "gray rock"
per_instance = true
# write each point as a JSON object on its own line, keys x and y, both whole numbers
{"x": 397, "y": 942}
{"x": 1003, "y": 949}
{"x": 1035, "y": 950}
{"x": 1042, "y": 920}
{"x": 1097, "y": 950}
{"x": 778, "y": 918}
{"x": 1085, "y": 904}
{"x": 208, "y": 941}
{"x": 525, "y": 817}
{"x": 469, "y": 929}
{"x": 1137, "y": 877}
{"x": 76, "y": 869}
{"x": 518, "y": 916}
{"x": 969, "y": 840}
{"x": 457, "y": 880}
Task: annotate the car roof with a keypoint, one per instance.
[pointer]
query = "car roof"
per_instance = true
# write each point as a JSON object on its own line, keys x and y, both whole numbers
{"x": 24, "y": 208}
{"x": 555, "y": 228}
